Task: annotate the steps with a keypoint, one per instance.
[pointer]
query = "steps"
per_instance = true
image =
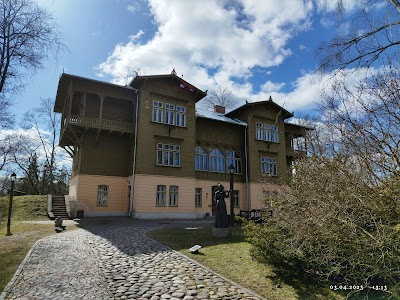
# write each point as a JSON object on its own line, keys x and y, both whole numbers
{"x": 58, "y": 207}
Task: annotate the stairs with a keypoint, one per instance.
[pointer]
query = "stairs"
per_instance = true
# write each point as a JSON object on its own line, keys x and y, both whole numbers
{"x": 58, "y": 208}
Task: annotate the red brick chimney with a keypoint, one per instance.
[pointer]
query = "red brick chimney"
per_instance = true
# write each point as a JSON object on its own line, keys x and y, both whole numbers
{"x": 219, "y": 109}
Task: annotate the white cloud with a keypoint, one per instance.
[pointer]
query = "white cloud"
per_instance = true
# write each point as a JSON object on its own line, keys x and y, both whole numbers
{"x": 232, "y": 37}
{"x": 228, "y": 37}
{"x": 327, "y": 22}
{"x": 332, "y": 5}
{"x": 270, "y": 86}
{"x": 133, "y": 7}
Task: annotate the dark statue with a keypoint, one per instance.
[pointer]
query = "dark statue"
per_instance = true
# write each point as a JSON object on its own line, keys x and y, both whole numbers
{"x": 221, "y": 219}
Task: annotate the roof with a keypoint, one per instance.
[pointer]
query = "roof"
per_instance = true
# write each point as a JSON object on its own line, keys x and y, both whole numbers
{"x": 183, "y": 83}
{"x": 285, "y": 113}
{"x": 206, "y": 114}
{"x": 63, "y": 85}
{"x": 299, "y": 126}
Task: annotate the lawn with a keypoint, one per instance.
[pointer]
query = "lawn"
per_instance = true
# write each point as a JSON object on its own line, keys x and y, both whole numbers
{"x": 14, "y": 248}
{"x": 230, "y": 257}
{"x": 31, "y": 207}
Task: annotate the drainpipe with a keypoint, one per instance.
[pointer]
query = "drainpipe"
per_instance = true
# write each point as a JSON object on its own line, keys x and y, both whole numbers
{"x": 131, "y": 200}
{"x": 247, "y": 171}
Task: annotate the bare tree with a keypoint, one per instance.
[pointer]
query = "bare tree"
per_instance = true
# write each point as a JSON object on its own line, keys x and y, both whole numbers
{"x": 372, "y": 34}
{"x": 45, "y": 122}
{"x": 366, "y": 117}
{"x": 8, "y": 146}
{"x": 28, "y": 34}
{"x": 220, "y": 96}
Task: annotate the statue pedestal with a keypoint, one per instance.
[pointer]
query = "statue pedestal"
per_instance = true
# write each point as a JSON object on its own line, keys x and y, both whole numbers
{"x": 221, "y": 232}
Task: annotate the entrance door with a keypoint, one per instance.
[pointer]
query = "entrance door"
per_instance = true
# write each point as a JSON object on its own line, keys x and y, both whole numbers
{"x": 213, "y": 202}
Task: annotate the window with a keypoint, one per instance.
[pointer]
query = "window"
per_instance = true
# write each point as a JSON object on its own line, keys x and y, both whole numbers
{"x": 180, "y": 116}
{"x": 169, "y": 114}
{"x": 157, "y": 112}
{"x": 234, "y": 159}
{"x": 236, "y": 202}
{"x": 197, "y": 199}
{"x": 266, "y": 132}
{"x": 268, "y": 166}
{"x": 102, "y": 195}
{"x": 217, "y": 161}
{"x": 160, "y": 196}
{"x": 201, "y": 159}
{"x": 168, "y": 155}
{"x": 274, "y": 134}
{"x": 259, "y": 131}
{"x": 173, "y": 195}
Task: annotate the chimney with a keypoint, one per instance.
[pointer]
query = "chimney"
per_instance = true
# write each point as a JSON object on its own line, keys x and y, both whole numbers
{"x": 219, "y": 109}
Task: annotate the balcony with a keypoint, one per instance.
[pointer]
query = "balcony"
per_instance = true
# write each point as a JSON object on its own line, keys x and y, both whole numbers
{"x": 72, "y": 127}
{"x": 294, "y": 152}
{"x": 99, "y": 124}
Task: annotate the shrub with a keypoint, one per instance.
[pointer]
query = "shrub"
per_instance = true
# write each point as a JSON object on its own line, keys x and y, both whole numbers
{"x": 332, "y": 225}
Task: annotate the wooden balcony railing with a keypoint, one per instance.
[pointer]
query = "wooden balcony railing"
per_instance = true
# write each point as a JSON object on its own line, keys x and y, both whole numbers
{"x": 97, "y": 123}
{"x": 290, "y": 151}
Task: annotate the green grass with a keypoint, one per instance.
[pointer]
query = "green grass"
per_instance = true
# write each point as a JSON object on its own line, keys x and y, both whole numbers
{"x": 231, "y": 258}
{"x": 32, "y": 207}
{"x": 14, "y": 248}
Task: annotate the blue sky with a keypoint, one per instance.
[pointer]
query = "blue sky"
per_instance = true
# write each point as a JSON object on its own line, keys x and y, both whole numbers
{"x": 253, "y": 48}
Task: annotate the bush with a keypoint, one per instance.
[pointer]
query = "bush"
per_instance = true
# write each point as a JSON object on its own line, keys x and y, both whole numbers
{"x": 332, "y": 225}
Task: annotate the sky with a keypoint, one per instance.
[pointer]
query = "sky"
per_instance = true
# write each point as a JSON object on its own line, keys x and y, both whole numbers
{"x": 253, "y": 48}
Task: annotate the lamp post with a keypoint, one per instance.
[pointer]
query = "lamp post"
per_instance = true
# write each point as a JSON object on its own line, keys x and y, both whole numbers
{"x": 13, "y": 177}
{"x": 231, "y": 169}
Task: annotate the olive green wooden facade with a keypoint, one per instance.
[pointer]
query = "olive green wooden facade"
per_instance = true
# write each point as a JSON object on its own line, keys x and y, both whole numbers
{"x": 100, "y": 131}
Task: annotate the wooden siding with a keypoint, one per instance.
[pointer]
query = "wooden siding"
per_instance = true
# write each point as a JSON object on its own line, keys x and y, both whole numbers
{"x": 110, "y": 155}
{"x": 151, "y": 133}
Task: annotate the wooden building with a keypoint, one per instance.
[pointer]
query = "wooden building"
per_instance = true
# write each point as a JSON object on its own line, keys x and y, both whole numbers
{"x": 144, "y": 150}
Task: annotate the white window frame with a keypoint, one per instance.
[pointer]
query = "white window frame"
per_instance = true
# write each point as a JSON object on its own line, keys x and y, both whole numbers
{"x": 217, "y": 161}
{"x": 102, "y": 195}
{"x": 233, "y": 157}
{"x": 268, "y": 166}
{"x": 236, "y": 200}
{"x": 201, "y": 159}
{"x": 158, "y": 111}
{"x": 173, "y": 195}
{"x": 180, "y": 116}
{"x": 267, "y": 132}
{"x": 161, "y": 195}
{"x": 169, "y": 114}
{"x": 168, "y": 155}
{"x": 259, "y": 131}
{"x": 198, "y": 197}
{"x": 274, "y": 134}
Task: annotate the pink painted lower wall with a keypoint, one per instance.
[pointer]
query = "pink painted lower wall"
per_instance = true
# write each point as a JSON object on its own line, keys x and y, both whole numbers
{"x": 84, "y": 189}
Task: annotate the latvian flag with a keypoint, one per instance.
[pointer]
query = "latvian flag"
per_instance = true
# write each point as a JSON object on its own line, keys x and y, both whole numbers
{"x": 185, "y": 85}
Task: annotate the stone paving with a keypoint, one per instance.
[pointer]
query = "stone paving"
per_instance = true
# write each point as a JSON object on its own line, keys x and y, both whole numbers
{"x": 115, "y": 261}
